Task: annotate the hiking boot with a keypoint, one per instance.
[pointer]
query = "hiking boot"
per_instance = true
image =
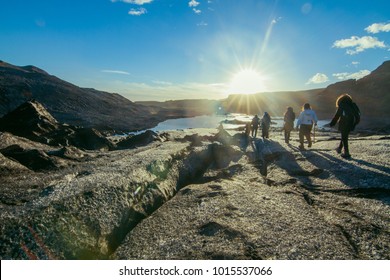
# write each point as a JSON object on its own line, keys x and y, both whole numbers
{"x": 347, "y": 156}
{"x": 301, "y": 147}
{"x": 338, "y": 150}
{"x": 309, "y": 146}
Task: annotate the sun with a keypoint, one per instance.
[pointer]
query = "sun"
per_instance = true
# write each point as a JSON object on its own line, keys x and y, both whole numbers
{"x": 247, "y": 81}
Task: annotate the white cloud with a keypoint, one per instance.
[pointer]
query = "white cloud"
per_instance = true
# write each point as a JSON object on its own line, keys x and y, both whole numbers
{"x": 318, "y": 78}
{"x": 202, "y": 23}
{"x": 355, "y": 62}
{"x": 193, "y": 3}
{"x": 138, "y": 12}
{"x": 357, "y": 44}
{"x": 276, "y": 20}
{"x": 116, "y": 72}
{"x": 136, "y": 2}
{"x": 163, "y": 83}
{"x": 356, "y": 75}
{"x": 378, "y": 27}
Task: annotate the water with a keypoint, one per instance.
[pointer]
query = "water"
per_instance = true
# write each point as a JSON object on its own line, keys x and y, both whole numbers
{"x": 230, "y": 121}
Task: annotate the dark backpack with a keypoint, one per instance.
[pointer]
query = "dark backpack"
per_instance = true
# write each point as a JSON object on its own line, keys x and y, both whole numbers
{"x": 352, "y": 113}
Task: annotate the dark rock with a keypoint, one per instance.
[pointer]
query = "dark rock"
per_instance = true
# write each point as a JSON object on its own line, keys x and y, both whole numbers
{"x": 30, "y": 120}
{"x": 138, "y": 140}
{"x": 33, "y": 159}
{"x": 175, "y": 200}
{"x": 69, "y": 103}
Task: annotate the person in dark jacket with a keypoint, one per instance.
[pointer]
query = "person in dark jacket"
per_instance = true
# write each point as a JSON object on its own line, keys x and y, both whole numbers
{"x": 289, "y": 118}
{"x": 347, "y": 115}
{"x": 255, "y": 125}
{"x": 265, "y": 125}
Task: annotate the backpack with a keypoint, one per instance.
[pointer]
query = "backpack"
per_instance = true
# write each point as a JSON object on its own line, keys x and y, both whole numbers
{"x": 352, "y": 113}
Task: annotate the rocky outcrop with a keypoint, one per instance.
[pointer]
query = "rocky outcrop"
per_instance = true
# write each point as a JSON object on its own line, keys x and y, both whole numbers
{"x": 205, "y": 196}
{"x": 69, "y": 103}
{"x": 31, "y": 120}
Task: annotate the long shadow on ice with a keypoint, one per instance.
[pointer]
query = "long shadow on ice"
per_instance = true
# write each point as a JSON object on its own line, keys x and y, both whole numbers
{"x": 267, "y": 151}
{"x": 362, "y": 182}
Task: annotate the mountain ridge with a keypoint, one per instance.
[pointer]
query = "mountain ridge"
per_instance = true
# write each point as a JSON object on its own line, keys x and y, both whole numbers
{"x": 88, "y": 107}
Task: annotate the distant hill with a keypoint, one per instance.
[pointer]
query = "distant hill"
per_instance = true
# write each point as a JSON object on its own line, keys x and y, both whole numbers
{"x": 69, "y": 103}
{"x": 92, "y": 108}
{"x": 371, "y": 93}
{"x": 184, "y": 108}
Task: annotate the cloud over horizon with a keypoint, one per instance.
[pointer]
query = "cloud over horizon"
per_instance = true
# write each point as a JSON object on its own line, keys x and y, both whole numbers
{"x": 116, "y": 72}
{"x": 318, "y": 78}
{"x": 355, "y": 44}
{"x": 355, "y": 76}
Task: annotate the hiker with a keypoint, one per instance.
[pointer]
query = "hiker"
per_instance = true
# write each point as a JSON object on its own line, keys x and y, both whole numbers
{"x": 306, "y": 120}
{"x": 348, "y": 116}
{"x": 288, "y": 126}
{"x": 247, "y": 129}
{"x": 265, "y": 124}
{"x": 255, "y": 125}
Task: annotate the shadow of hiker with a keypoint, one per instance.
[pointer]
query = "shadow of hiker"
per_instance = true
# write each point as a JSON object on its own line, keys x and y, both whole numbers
{"x": 266, "y": 151}
{"x": 362, "y": 182}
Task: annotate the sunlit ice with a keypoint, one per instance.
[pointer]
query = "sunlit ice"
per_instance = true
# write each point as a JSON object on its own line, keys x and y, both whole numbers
{"x": 247, "y": 81}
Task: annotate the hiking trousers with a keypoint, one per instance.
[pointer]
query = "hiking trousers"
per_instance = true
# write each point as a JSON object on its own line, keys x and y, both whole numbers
{"x": 344, "y": 141}
{"x": 304, "y": 132}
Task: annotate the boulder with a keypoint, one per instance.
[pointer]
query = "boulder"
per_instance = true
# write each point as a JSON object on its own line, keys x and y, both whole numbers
{"x": 138, "y": 140}
{"x": 33, "y": 159}
{"x": 30, "y": 120}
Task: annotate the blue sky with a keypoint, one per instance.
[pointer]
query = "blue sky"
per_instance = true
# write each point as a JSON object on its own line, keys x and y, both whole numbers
{"x": 181, "y": 49}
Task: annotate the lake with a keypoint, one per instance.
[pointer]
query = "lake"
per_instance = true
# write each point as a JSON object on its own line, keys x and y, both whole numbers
{"x": 230, "y": 121}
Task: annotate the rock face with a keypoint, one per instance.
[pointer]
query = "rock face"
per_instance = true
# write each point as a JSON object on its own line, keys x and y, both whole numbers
{"x": 108, "y": 111}
{"x": 32, "y": 121}
{"x": 69, "y": 103}
{"x": 205, "y": 194}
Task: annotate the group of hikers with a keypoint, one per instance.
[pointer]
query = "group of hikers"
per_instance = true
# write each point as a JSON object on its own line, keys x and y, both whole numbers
{"x": 347, "y": 116}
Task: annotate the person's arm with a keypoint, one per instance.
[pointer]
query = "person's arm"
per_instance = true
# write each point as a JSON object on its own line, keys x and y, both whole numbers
{"x": 315, "y": 118}
{"x": 336, "y": 117}
{"x": 299, "y": 121}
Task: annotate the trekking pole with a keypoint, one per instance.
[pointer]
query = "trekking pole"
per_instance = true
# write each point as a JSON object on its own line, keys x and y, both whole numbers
{"x": 314, "y": 133}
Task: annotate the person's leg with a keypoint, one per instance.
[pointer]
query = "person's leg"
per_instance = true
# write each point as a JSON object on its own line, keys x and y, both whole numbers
{"x": 308, "y": 135}
{"x": 301, "y": 136}
{"x": 340, "y": 147}
{"x": 344, "y": 139}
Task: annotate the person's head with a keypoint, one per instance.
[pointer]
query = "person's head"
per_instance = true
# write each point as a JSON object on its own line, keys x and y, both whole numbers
{"x": 289, "y": 109}
{"x": 306, "y": 106}
{"x": 265, "y": 114}
{"x": 256, "y": 116}
{"x": 344, "y": 98}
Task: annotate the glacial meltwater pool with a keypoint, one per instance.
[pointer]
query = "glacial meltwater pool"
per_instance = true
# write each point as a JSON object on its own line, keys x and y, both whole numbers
{"x": 230, "y": 121}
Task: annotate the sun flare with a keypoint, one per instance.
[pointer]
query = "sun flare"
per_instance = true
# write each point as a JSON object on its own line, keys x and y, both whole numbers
{"x": 247, "y": 81}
